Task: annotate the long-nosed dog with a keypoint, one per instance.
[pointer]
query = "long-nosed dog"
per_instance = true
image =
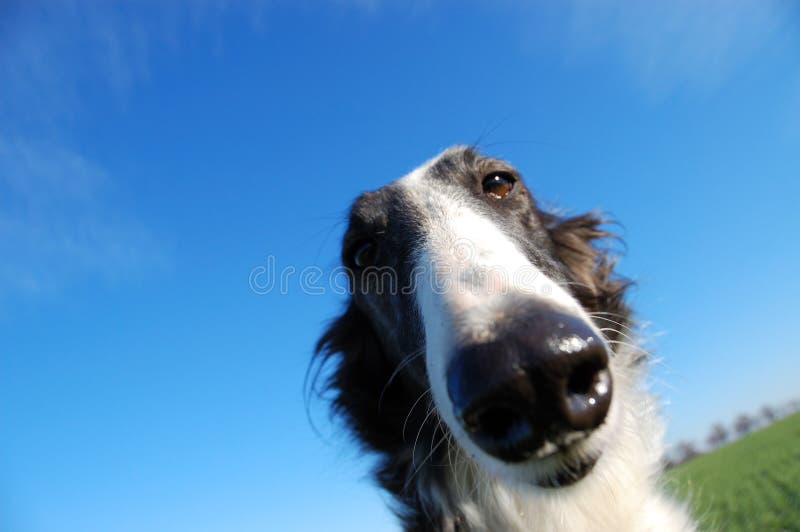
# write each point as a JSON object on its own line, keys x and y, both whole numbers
{"x": 485, "y": 355}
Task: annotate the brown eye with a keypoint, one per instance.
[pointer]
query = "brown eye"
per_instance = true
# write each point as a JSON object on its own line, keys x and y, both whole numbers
{"x": 498, "y": 184}
{"x": 364, "y": 254}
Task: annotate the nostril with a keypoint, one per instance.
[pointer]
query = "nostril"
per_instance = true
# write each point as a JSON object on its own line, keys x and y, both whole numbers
{"x": 584, "y": 378}
{"x": 503, "y": 431}
{"x": 497, "y": 421}
{"x": 588, "y": 395}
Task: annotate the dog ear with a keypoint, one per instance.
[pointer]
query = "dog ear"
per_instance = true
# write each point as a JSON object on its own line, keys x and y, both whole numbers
{"x": 589, "y": 267}
{"x": 359, "y": 378}
{"x": 378, "y": 406}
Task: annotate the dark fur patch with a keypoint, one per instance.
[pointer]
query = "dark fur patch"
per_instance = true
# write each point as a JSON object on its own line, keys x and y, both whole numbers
{"x": 590, "y": 268}
{"x": 387, "y": 417}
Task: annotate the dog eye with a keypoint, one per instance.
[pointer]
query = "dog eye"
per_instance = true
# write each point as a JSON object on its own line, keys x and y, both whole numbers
{"x": 364, "y": 254}
{"x": 498, "y": 184}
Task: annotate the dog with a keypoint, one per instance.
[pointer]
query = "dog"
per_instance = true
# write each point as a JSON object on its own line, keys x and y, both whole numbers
{"x": 486, "y": 356}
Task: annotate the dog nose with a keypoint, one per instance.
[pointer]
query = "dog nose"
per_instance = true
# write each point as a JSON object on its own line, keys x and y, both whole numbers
{"x": 534, "y": 383}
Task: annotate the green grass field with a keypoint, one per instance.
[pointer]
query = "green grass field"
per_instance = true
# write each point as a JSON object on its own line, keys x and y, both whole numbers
{"x": 751, "y": 484}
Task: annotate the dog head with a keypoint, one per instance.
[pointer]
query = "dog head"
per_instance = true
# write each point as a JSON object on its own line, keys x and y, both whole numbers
{"x": 478, "y": 320}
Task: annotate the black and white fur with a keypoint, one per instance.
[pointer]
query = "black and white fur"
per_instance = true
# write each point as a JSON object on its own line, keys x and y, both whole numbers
{"x": 392, "y": 344}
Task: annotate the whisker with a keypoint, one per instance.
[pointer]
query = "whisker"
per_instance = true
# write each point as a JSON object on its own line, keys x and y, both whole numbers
{"x": 614, "y": 314}
{"x": 612, "y": 321}
{"x": 439, "y": 427}
{"x": 618, "y": 332}
{"x": 403, "y": 363}
{"x": 431, "y": 410}
{"x": 630, "y": 345}
{"x": 405, "y": 422}
{"x": 453, "y": 465}
{"x": 662, "y": 383}
{"x": 424, "y": 460}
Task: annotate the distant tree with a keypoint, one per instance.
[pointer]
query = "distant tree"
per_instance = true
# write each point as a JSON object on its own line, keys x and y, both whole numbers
{"x": 743, "y": 424}
{"x": 717, "y": 436}
{"x": 768, "y": 414}
{"x": 686, "y": 451}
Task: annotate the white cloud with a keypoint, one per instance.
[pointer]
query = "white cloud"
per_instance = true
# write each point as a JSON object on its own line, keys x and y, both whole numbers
{"x": 678, "y": 43}
{"x": 51, "y": 51}
{"x": 59, "y": 222}
{"x": 61, "y": 217}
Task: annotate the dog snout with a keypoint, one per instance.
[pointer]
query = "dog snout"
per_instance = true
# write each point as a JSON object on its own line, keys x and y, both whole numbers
{"x": 537, "y": 382}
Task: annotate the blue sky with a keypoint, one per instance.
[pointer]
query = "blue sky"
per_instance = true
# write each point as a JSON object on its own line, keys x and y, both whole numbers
{"x": 151, "y": 156}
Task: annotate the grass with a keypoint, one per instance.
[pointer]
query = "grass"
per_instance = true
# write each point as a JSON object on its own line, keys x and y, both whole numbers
{"x": 750, "y": 484}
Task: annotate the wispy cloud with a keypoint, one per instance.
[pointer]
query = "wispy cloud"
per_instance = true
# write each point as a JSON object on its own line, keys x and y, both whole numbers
{"x": 58, "y": 217}
{"x": 59, "y": 222}
{"x": 51, "y": 51}
{"x": 672, "y": 44}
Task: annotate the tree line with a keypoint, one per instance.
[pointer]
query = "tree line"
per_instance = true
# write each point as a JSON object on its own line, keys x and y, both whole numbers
{"x": 720, "y": 434}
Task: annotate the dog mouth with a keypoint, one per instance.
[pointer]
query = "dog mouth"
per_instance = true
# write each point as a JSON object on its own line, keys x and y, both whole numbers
{"x": 562, "y": 460}
{"x": 567, "y": 471}
{"x": 554, "y": 459}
